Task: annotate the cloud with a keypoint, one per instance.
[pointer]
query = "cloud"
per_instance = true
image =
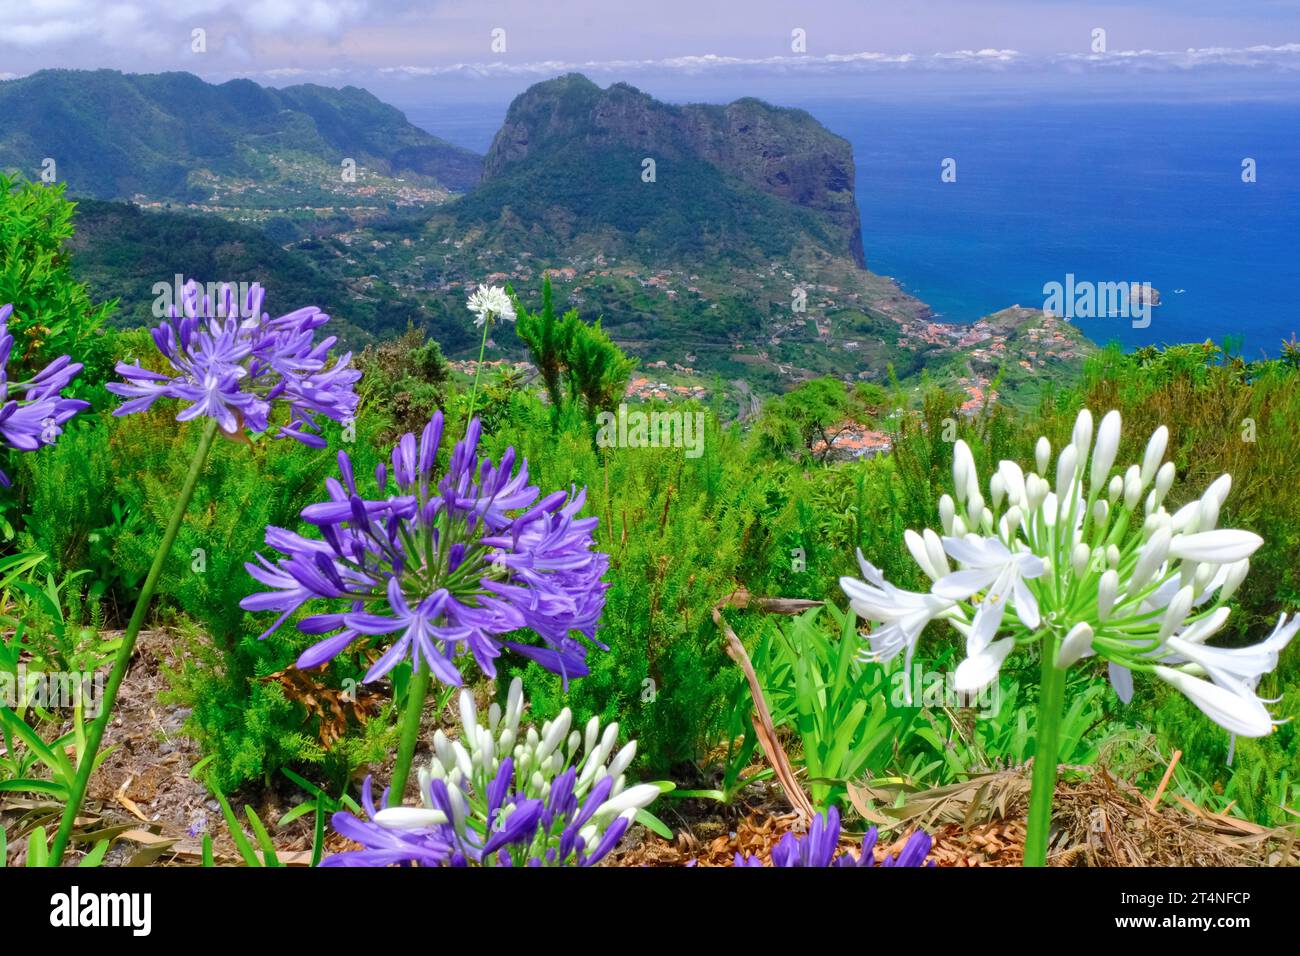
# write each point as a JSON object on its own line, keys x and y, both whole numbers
{"x": 1282, "y": 58}
{"x": 144, "y": 24}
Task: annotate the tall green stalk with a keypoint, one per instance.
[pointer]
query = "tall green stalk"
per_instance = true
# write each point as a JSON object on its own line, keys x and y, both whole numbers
{"x": 1051, "y": 699}
{"x": 123, "y": 660}
{"x": 416, "y": 692}
{"x": 482, "y": 350}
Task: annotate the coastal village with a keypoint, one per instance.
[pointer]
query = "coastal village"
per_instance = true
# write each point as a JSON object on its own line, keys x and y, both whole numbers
{"x": 1034, "y": 341}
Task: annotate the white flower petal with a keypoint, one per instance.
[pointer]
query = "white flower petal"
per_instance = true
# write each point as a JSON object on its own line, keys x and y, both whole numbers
{"x": 1121, "y": 678}
{"x": 1220, "y": 547}
{"x": 981, "y": 669}
{"x": 1239, "y": 712}
{"x": 1077, "y": 644}
{"x": 409, "y": 818}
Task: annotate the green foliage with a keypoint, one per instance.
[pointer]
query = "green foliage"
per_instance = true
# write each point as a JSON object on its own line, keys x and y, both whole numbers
{"x": 593, "y": 370}
{"x": 53, "y": 313}
{"x": 403, "y": 381}
{"x": 130, "y": 255}
{"x": 676, "y": 529}
{"x": 846, "y": 720}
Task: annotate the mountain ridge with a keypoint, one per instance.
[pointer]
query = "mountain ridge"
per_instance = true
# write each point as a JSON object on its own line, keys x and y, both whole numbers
{"x": 117, "y": 135}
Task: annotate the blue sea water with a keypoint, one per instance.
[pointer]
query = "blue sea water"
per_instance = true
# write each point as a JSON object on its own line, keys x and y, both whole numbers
{"x": 1108, "y": 191}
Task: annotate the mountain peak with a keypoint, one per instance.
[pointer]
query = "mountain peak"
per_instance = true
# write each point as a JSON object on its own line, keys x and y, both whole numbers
{"x": 782, "y": 152}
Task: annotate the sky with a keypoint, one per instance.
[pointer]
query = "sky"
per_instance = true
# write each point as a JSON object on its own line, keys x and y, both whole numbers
{"x": 491, "y": 45}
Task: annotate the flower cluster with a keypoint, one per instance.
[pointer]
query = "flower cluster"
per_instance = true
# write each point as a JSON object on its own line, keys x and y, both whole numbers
{"x": 449, "y": 567}
{"x": 499, "y": 796}
{"x": 1090, "y": 563}
{"x": 233, "y": 370}
{"x": 818, "y": 847}
{"x": 489, "y": 302}
{"x": 37, "y": 417}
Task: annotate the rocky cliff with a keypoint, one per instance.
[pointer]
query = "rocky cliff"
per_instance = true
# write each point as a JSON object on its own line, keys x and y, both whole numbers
{"x": 784, "y": 153}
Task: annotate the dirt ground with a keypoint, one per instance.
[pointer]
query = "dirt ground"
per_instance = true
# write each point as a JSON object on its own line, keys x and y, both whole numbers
{"x": 145, "y": 797}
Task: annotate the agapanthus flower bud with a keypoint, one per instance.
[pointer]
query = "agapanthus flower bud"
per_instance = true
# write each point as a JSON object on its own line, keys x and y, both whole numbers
{"x": 1081, "y": 438}
{"x": 1012, "y": 520}
{"x": 1154, "y": 455}
{"x": 1100, "y": 511}
{"x": 1132, "y": 489}
{"x": 1107, "y": 591}
{"x": 1076, "y": 644}
{"x": 1042, "y": 455}
{"x": 963, "y": 468}
{"x": 1164, "y": 480}
{"x": 1080, "y": 558}
{"x": 1151, "y": 556}
{"x": 1103, "y": 456}
{"x": 1176, "y": 612}
{"x": 947, "y": 509}
{"x": 916, "y": 546}
{"x": 1205, "y": 574}
{"x": 1220, "y": 488}
{"x": 1013, "y": 480}
{"x": 1236, "y": 574}
{"x": 1222, "y": 546}
{"x": 1066, "y": 471}
{"x": 997, "y": 490}
{"x": 1036, "y": 491}
{"x": 1208, "y": 517}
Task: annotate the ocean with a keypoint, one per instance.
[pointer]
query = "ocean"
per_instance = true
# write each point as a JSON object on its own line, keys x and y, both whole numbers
{"x": 1104, "y": 191}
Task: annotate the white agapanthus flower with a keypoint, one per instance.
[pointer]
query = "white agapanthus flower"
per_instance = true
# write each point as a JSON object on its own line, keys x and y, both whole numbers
{"x": 1092, "y": 564}
{"x": 902, "y": 615}
{"x": 539, "y": 757}
{"x": 491, "y": 302}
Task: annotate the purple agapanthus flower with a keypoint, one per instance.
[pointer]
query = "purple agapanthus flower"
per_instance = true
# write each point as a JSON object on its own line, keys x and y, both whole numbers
{"x": 235, "y": 369}
{"x": 386, "y": 846}
{"x": 37, "y": 417}
{"x": 440, "y": 567}
{"x": 504, "y": 828}
{"x": 818, "y": 846}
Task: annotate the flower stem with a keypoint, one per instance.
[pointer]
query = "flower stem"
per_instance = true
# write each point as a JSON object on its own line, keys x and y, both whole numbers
{"x": 416, "y": 692}
{"x": 1051, "y": 697}
{"x": 86, "y": 765}
{"x": 482, "y": 349}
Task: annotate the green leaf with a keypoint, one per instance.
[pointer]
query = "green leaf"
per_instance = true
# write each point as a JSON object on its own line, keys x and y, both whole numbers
{"x": 28, "y": 785}
{"x": 263, "y": 838}
{"x": 298, "y": 811}
{"x": 56, "y": 761}
{"x": 37, "y": 850}
{"x": 236, "y": 831}
{"x": 717, "y": 795}
{"x": 303, "y": 782}
{"x": 96, "y": 856}
{"x": 652, "y": 822}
